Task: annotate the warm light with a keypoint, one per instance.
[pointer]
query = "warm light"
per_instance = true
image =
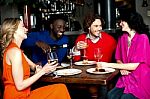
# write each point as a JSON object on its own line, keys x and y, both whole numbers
{"x": 118, "y": 0}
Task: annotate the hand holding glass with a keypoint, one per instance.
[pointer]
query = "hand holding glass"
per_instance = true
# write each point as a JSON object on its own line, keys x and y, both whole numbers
{"x": 83, "y": 45}
{"x": 52, "y": 57}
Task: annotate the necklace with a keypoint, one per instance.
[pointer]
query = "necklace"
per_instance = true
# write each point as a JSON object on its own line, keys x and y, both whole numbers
{"x": 132, "y": 33}
{"x": 129, "y": 43}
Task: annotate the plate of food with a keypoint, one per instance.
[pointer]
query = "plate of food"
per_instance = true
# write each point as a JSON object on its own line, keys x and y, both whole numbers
{"x": 67, "y": 72}
{"x": 85, "y": 63}
{"x": 100, "y": 70}
{"x": 63, "y": 65}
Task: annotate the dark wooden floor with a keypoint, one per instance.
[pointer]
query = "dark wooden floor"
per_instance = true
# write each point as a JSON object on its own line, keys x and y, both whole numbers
{"x": 79, "y": 94}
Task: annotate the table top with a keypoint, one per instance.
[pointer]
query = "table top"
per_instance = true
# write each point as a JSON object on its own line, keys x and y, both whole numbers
{"x": 82, "y": 78}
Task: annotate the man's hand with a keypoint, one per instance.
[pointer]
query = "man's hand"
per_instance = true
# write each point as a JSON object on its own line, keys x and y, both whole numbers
{"x": 81, "y": 45}
{"x": 45, "y": 47}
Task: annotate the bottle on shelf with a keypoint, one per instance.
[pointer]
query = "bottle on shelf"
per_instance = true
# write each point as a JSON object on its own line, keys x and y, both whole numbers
{"x": 26, "y": 17}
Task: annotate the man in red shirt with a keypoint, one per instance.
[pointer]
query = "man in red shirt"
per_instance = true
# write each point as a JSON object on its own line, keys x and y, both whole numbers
{"x": 94, "y": 37}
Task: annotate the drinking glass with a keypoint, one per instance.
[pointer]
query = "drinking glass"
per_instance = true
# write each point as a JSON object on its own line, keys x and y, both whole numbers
{"x": 82, "y": 45}
{"x": 52, "y": 57}
{"x": 70, "y": 57}
{"x": 84, "y": 57}
{"x": 85, "y": 50}
{"x": 98, "y": 54}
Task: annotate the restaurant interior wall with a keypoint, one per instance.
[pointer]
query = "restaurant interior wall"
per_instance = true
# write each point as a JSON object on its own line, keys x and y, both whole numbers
{"x": 144, "y": 11}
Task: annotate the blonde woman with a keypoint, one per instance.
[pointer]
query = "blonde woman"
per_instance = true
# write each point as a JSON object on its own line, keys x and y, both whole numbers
{"x": 16, "y": 67}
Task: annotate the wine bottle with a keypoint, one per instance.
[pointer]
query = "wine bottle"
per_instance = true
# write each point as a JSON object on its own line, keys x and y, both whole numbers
{"x": 26, "y": 17}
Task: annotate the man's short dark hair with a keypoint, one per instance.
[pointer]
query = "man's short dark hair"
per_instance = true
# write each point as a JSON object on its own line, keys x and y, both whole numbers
{"x": 55, "y": 17}
{"x": 89, "y": 19}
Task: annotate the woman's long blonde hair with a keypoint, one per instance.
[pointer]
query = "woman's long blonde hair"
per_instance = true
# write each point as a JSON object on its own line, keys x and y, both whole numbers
{"x": 8, "y": 28}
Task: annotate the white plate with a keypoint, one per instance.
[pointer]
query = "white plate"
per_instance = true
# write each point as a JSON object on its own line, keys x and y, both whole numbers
{"x": 63, "y": 65}
{"x": 107, "y": 70}
{"x": 89, "y": 63}
{"x": 67, "y": 72}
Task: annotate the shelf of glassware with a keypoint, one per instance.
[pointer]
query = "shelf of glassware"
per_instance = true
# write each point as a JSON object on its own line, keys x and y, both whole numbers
{"x": 51, "y": 7}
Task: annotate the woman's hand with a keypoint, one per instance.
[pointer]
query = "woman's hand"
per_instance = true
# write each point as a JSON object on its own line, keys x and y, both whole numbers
{"x": 119, "y": 61}
{"x": 49, "y": 68}
{"x": 38, "y": 68}
{"x": 125, "y": 72}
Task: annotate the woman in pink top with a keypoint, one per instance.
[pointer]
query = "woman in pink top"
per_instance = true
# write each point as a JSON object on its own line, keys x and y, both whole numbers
{"x": 133, "y": 59}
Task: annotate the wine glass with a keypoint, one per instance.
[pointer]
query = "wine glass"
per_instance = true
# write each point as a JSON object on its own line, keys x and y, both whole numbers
{"x": 83, "y": 45}
{"x": 84, "y": 57}
{"x": 70, "y": 57}
{"x": 52, "y": 57}
{"x": 85, "y": 60}
{"x": 98, "y": 54}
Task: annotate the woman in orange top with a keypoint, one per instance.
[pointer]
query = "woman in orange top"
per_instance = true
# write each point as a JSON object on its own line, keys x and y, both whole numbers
{"x": 16, "y": 67}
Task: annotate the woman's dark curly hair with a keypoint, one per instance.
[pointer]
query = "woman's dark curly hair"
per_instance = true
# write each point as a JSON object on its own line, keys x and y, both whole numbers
{"x": 89, "y": 19}
{"x": 135, "y": 21}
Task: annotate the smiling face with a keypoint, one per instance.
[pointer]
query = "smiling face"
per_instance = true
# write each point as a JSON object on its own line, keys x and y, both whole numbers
{"x": 58, "y": 28}
{"x": 96, "y": 27}
{"x": 21, "y": 31}
{"x": 124, "y": 26}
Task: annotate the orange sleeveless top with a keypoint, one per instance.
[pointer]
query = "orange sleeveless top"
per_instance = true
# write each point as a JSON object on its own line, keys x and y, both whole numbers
{"x": 10, "y": 91}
